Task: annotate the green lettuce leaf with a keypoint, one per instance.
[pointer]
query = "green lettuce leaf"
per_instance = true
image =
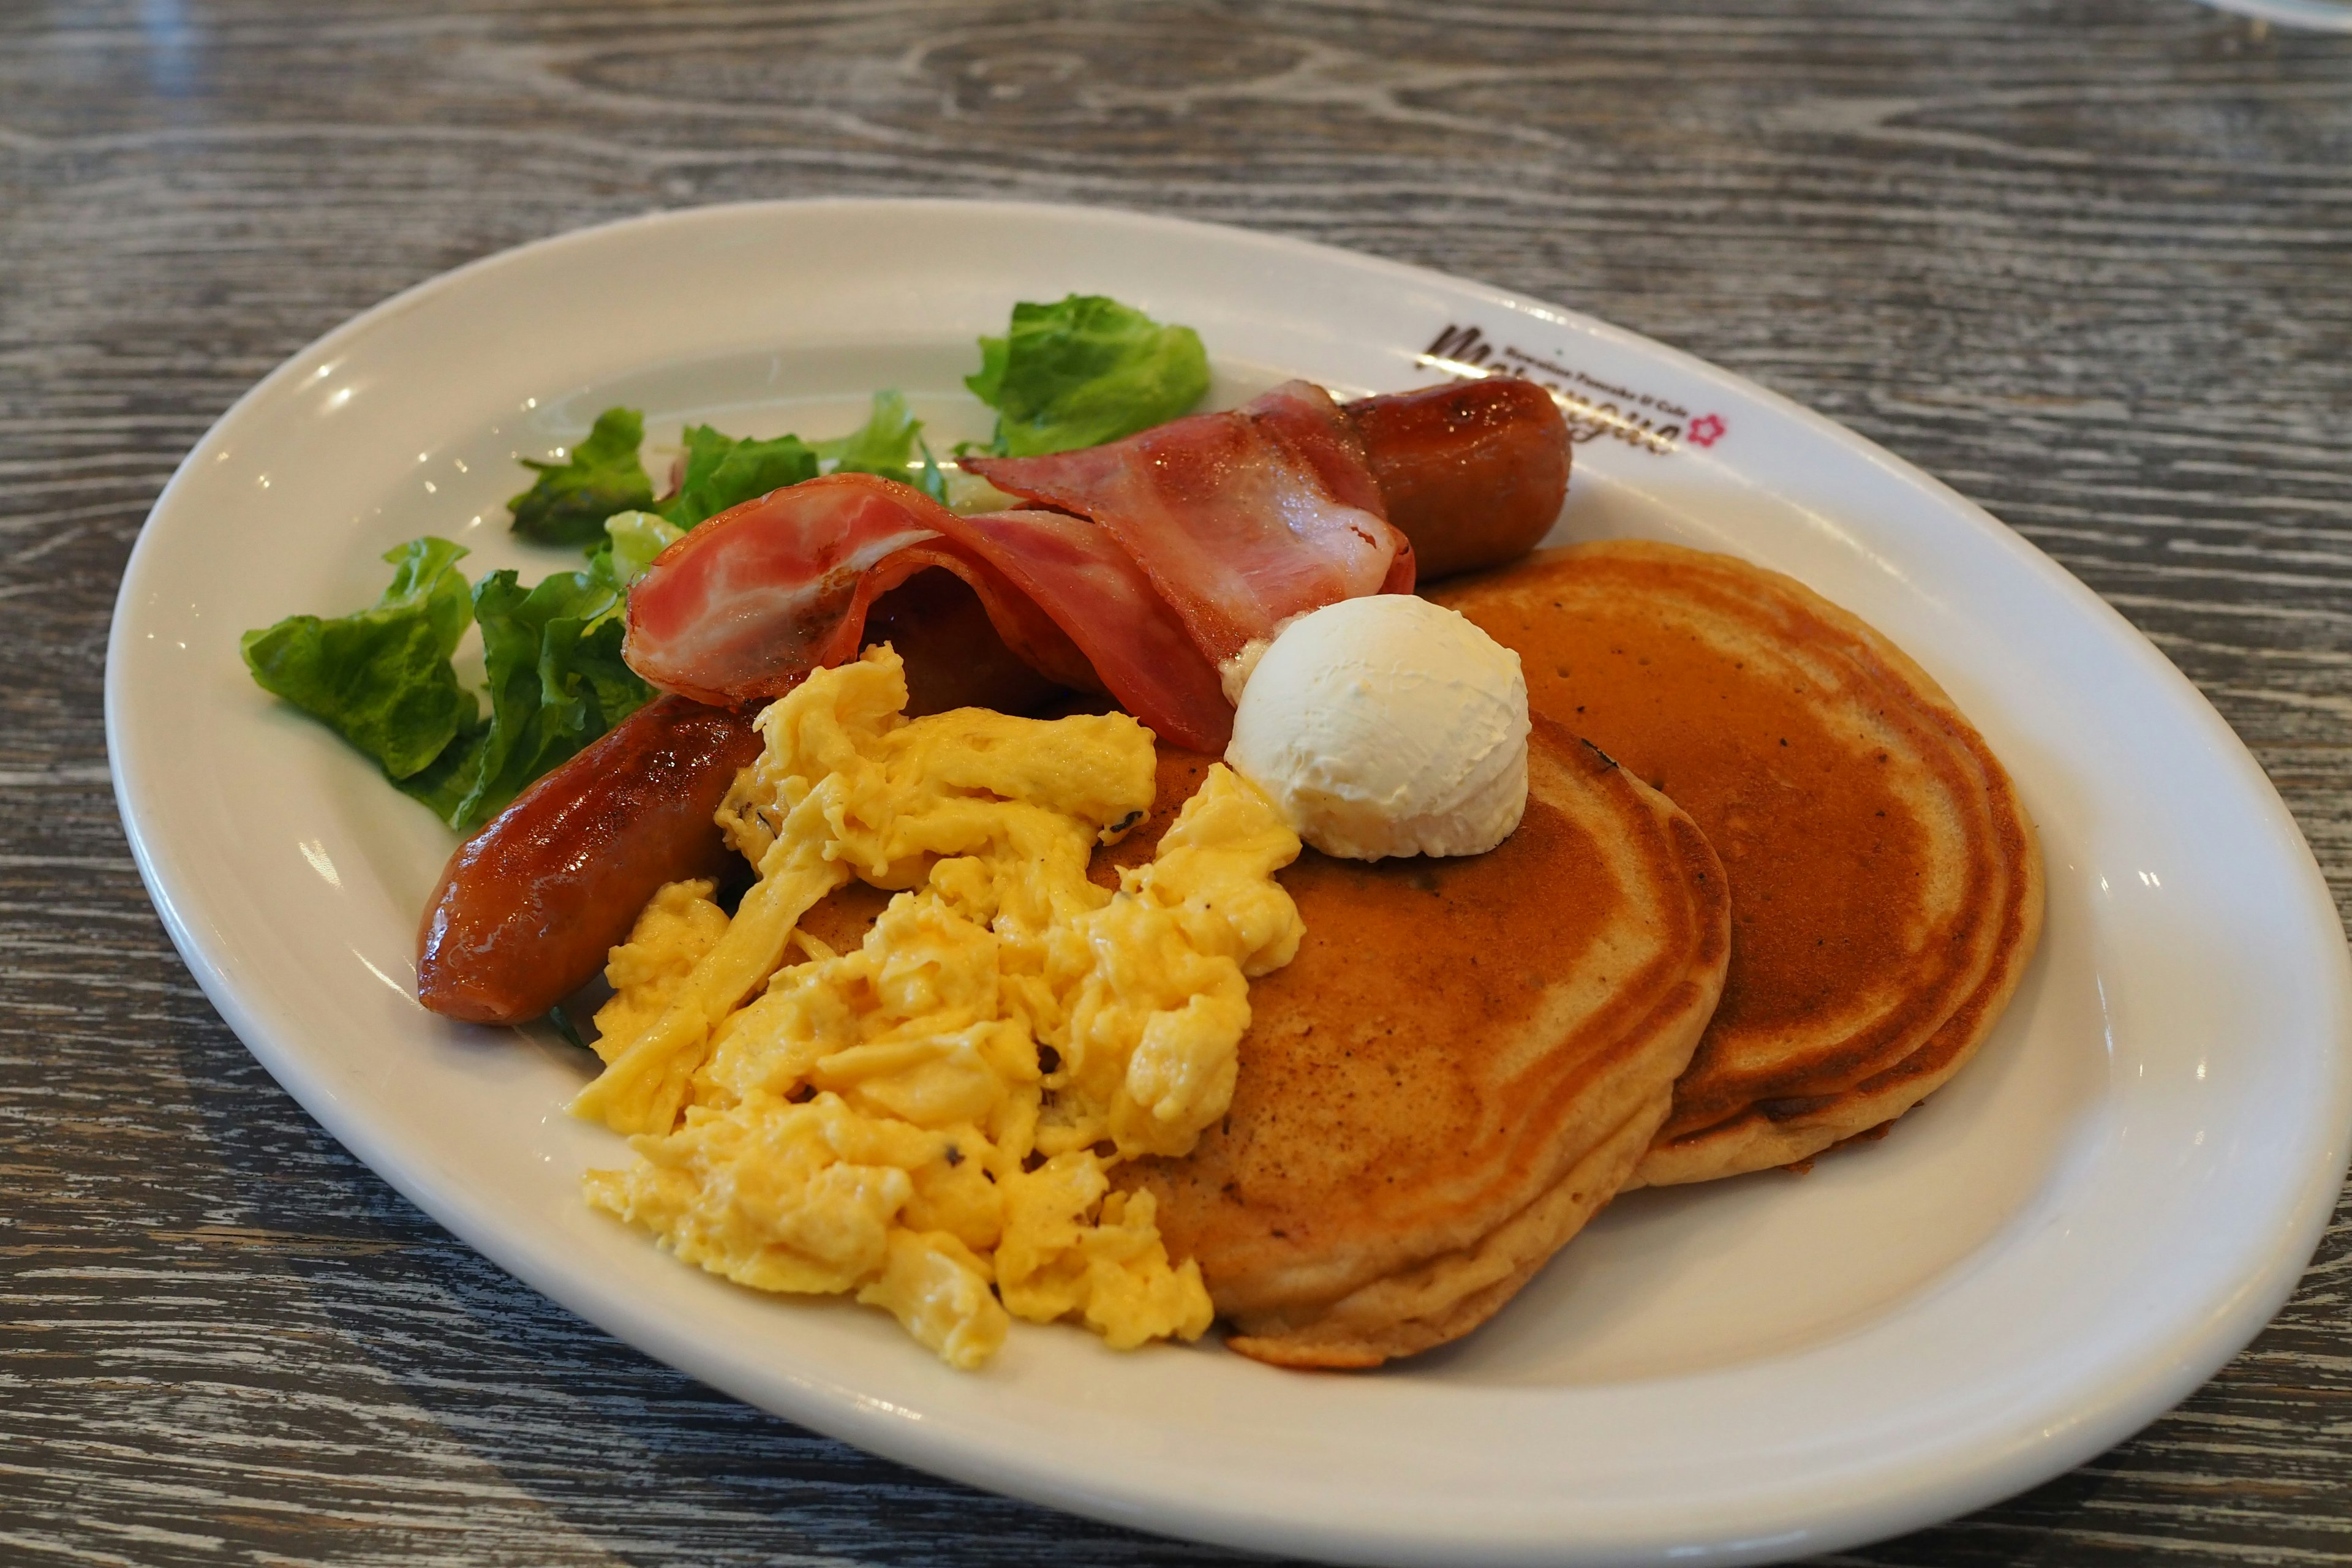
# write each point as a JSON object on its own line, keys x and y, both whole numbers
{"x": 721, "y": 471}
{"x": 382, "y": 678}
{"x": 1086, "y": 371}
{"x": 631, "y": 540}
{"x": 552, "y": 656}
{"x": 443, "y": 786}
{"x": 887, "y": 444}
{"x": 988, "y": 385}
{"x": 570, "y": 500}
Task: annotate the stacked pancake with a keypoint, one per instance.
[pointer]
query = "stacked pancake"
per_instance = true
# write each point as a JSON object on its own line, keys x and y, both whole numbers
{"x": 1466, "y": 1058}
{"x": 1470, "y": 1056}
{"x": 1886, "y": 883}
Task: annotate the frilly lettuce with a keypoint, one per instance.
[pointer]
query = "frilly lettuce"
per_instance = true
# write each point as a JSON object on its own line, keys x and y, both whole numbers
{"x": 552, "y": 656}
{"x": 723, "y": 471}
{"x": 570, "y": 500}
{"x": 631, "y": 540}
{"x": 381, "y": 678}
{"x": 887, "y": 444}
{"x": 1083, "y": 372}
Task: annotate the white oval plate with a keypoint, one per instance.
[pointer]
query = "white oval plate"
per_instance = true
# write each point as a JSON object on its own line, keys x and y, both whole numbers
{"x": 2092, "y": 1218}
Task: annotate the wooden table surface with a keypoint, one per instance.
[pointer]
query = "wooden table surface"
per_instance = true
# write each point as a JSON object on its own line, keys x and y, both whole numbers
{"x": 2089, "y": 262}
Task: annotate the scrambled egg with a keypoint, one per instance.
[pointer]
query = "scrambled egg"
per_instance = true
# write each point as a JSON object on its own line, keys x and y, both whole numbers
{"x": 929, "y": 1120}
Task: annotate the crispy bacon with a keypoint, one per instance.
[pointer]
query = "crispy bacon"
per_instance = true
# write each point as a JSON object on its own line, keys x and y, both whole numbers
{"x": 1139, "y": 568}
{"x": 1240, "y": 520}
{"x": 747, "y": 604}
{"x": 1099, "y": 597}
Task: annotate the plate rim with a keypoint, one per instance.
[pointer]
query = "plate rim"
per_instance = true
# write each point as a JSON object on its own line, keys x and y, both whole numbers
{"x": 2127, "y": 1406}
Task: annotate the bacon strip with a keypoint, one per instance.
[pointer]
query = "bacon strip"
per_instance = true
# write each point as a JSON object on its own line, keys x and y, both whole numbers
{"x": 745, "y": 607}
{"x": 1240, "y": 520}
{"x": 1161, "y": 557}
{"x": 1103, "y": 601}
{"x": 748, "y": 603}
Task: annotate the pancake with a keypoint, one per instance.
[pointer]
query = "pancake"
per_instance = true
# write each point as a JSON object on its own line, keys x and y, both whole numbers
{"x": 1886, "y": 887}
{"x": 1464, "y": 1062}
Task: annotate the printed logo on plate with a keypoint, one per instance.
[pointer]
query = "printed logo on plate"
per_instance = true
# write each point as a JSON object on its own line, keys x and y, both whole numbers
{"x": 1646, "y": 421}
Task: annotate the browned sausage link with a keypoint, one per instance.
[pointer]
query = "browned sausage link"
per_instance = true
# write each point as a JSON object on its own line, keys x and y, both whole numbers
{"x": 529, "y": 907}
{"x": 1473, "y": 473}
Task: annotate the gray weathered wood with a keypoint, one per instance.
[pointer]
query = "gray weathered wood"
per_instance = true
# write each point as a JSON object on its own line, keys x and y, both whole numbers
{"x": 2089, "y": 261}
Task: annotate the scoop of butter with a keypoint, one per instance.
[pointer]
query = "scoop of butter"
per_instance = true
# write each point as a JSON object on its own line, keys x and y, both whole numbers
{"x": 1387, "y": 725}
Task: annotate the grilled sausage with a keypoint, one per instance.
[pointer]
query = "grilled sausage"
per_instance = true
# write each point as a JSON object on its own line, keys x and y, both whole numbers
{"x": 1474, "y": 472}
{"x": 528, "y": 907}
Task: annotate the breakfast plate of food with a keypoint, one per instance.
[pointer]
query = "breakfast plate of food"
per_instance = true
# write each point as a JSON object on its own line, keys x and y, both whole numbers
{"x": 1243, "y": 890}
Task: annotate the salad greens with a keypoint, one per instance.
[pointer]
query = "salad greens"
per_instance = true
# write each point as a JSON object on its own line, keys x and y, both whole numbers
{"x": 570, "y": 500}
{"x": 552, "y": 656}
{"x": 722, "y": 471}
{"x": 381, "y": 678}
{"x": 1076, "y": 373}
{"x": 886, "y": 444}
{"x": 1084, "y": 372}
{"x": 631, "y": 540}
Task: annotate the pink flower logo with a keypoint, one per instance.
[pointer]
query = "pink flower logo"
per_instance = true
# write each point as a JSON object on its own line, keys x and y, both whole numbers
{"x": 1706, "y": 430}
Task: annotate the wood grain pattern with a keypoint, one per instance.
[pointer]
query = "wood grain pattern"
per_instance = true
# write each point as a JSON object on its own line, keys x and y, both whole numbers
{"x": 2085, "y": 259}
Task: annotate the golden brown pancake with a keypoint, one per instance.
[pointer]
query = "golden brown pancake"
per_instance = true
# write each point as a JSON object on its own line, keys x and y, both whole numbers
{"x": 1465, "y": 1060}
{"x": 1886, "y": 884}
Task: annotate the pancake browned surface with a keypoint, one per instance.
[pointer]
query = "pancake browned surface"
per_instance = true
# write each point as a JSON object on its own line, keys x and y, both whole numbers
{"x": 1465, "y": 1060}
{"x": 1886, "y": 883}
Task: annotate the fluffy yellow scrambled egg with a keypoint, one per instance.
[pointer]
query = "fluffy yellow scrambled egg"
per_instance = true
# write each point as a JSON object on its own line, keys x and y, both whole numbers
{"x": 929, "y": 1120}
